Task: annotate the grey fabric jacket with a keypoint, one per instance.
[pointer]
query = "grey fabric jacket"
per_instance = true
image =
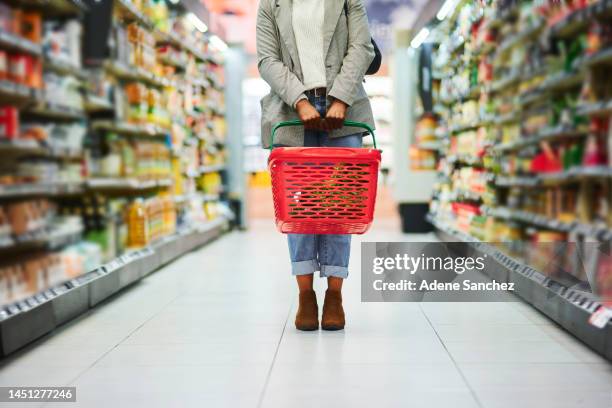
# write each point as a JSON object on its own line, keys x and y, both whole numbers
{"x": 348, "y": 53}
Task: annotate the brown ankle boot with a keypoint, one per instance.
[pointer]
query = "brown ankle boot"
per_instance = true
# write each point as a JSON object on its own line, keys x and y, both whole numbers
{"x": 333, "y": 313}
{"x": 307, "y": 317}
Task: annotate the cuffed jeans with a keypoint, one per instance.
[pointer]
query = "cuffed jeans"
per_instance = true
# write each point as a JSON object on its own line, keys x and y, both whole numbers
{"x": 327, "y": 253}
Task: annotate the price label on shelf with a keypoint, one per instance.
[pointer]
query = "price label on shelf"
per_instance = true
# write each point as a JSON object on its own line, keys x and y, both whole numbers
{"x": 601, "y": 317}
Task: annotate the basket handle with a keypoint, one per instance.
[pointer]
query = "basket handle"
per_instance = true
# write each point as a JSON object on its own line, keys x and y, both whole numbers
{"x": 298, "y": 122}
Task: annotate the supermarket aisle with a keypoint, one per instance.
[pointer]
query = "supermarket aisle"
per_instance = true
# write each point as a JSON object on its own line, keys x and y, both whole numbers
{"x": 215, "y": 329}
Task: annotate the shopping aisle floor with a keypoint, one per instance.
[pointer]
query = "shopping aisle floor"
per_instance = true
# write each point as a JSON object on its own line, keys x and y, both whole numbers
{"x": 215, "y": 329}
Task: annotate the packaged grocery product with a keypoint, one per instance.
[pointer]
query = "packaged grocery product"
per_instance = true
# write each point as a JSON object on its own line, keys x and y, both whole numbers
{"x": 138, "y": 224}
{"x": 9, "y": 122}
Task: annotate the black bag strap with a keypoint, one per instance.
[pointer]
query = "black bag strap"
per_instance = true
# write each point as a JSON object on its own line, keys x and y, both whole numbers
{"x": 377, "y": 60}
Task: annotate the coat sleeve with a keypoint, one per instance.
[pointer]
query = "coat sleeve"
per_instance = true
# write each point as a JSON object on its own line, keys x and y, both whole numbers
{"x": 359, "y": 55}
{"x": 271, "y": 68}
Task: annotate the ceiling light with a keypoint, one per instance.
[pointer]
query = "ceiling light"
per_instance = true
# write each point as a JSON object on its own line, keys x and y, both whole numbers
{"x": 447, "y": 7}
{"x": 217, "y": 43}
{"x": 420, "y": 38}
{"x": 197, "y": 23}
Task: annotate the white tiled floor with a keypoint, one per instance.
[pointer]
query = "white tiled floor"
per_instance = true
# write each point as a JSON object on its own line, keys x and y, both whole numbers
{"x": 215, "y": 329}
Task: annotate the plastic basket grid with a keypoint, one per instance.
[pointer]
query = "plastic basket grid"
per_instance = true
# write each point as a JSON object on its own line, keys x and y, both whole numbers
{"x": 324, "y": 190}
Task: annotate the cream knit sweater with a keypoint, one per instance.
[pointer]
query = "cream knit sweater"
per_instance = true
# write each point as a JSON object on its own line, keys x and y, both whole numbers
{"x": 307, "y": 16}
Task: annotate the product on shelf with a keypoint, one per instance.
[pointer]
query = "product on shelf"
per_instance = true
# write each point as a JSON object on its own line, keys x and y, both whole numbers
{"x": 149, "y": 220}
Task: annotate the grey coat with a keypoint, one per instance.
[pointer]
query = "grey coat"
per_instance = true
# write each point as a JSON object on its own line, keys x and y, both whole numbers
{"x": 348, "y": 53}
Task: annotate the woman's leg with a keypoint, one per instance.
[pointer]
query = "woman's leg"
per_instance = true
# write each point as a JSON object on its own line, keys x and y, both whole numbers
{"x": 304, "y": 259}
{"x": 334, "y": 254}
{"x": 304, "y": 263}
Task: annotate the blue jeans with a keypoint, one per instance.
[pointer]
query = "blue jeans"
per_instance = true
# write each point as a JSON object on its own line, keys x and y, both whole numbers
{"x": 327, "y": 253}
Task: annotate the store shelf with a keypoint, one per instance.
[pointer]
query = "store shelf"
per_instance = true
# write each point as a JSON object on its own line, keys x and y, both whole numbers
{"x": 28, "y": 319}
{"x": 512, "y": 79}
{"x": 546, "y": 134}
{"x": 21, "y": 147}
{"x": 49, "y": 238}
{"x": 63, "y": 67}
{"x": 435, "y": 146}
{"x": 129, "y": 129}
{"x": 132, "y": 73}
{"x": 47, "y": 110}
{"x": 34, "y": 189}
{"x": 15, "y": 43}
{"x": 602, "y": 233}
{"x": 596, "y": 109}
{"x": 579, "y": 20}
{"x": 534, "y": 29}
{"x": 15, "y": 94}
{"x": 213, "y": 168}
{"x": 571, "y": 175}
{"x": 464, "y": 159}
{"x": 130, "y": 12}
{"x": 125, "y": 184}
{"x": 526, "y": 181}
{"x": 53, "y": 8}
{"x": 95, "y": 103}
{"x": 26, "y": 147}
{"x": 543, "y": 91}
{"x": 562, "y": 81}
{"x": 569, "y": 307}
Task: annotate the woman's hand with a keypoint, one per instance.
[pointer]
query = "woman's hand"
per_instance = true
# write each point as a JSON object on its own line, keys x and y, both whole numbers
{"x": 308, "y": 114}
{"x": 336, "y": 115}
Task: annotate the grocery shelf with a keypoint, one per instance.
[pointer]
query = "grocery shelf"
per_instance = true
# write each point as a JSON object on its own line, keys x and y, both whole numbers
{"x": 49, "y": 238}
{"x": 129, "y": 129}
{"x": 26, "y": 320}
{"x": 568, "y": 306}
{"x": 464, "y": 159}
{"x": 504, "y": 83}
{"x": 94, "y": 103}
{"x": 123, "y": 71}
{"x": 562, "y": 81}
{"x": 602, "y": 233}
{"x": 21, "y": 147}
{"x": 131, "y": 12}
{"x": 39, "y": 189}
{"x": 63, "y": 67}
{"x": 183, "y": 198}
{"x": 28, "y": 147}
{"x": 14, "y": 42}
{"x": 546, "y": 134}
{"x": 516, "y": 181}
{"x": 542, "y": 85}
{"x": 430, "y": 146}
{"x": 125, "y": 184}
{"x": 53, "y": 8}
{"x": 603, "y": 108}
{"x": 213, "y": 168}
{"x": 573, "y": 174}
{"x": 11, "y": 92}
{"x": 48, "y": 110}
{"x": 579, "y": 19}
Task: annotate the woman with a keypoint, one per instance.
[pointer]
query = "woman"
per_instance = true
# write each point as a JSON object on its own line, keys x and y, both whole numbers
{"x": 314, "y": 54}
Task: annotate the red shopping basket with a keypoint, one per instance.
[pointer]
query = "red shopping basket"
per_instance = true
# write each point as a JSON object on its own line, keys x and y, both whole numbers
{"x": 324, "y": 190}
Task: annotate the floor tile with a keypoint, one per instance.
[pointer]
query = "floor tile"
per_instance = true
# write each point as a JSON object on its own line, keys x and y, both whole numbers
{"x": 539, "y": 376}
{"x": 510, "y": 352}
